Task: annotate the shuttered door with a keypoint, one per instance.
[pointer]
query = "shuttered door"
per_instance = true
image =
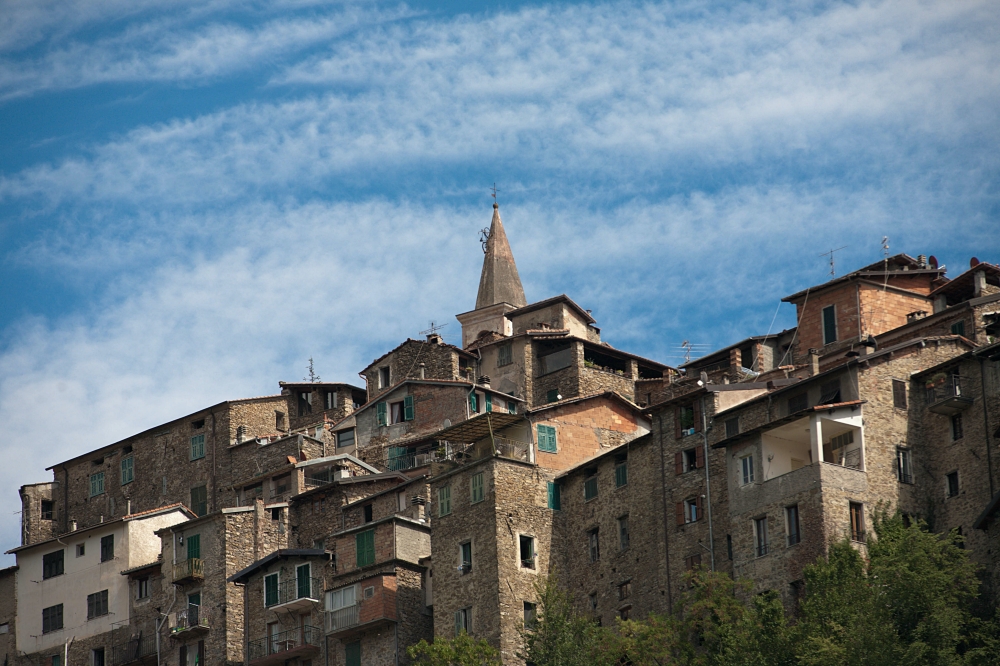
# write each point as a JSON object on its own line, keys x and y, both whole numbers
{"x": 194, "y": 547}
{"x": 366, "y": 548}
{"x": 352, "y": 654}
{"x": 303, "y": 581}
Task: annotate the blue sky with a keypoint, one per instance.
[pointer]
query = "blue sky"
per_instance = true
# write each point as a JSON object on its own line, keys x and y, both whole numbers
{"x": 196, "y": 197}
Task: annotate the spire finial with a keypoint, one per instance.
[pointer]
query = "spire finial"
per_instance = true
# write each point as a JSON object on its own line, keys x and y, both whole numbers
{"x": 499, "y": 282}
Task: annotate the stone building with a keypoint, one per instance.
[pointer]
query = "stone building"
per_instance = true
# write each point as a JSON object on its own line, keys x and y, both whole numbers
{"x": 332, "y": 524}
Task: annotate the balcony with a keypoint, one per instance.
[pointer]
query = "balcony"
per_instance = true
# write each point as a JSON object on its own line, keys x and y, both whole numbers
{"x": 948, "y": 395}
{"x": 343, "y": 618}
{"x": 188, "y": 571}
{"x": 511, "y": 448}
{"x": 374, "y": 603}
{"x": 294, "y": 595}
{"x": 134, "y": 650}
{"x": 190, "y": 622}
{"x": 302, "y": 643}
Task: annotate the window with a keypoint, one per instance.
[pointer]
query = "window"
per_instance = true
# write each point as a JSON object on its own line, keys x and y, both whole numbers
{"x": 956, "y": 427}
{"x": 958, "y": 328}
{"x": 81, "y": 549}
{"x": 526, "y": 548}
{"x": 899, "y": 394}
{"x": 270, "y": 590}
{"x": 444, "y": 501}
{"x": 329, "y": 399}
{"x": 128, "y": 470}
{"x": 341, "y": 598}
{"x": 345, "y": 438}
{"x": 829, "y": 393}
{"x": 48, "y": 508}
{"x": 473, "y": 403}
{"x": 198, "y": 447}
{"x": 279, "y": 421}
{"x": 52, "y": 618}
{"x": 402, "y": 410}
{"x": 555, "y": 501}
{"x": 552, "y": 395}
{"x": 623, "y": 613}
{"x": 792, "y": 524}
{"x": 383, "y": 377}
{"x": 729, "y": 547}
{"x": 505, "y": 354}
{"x": 624, "y": 590}
{"x": 52, "y": 564}
{"x": 686, "y": 421}
{"x": 857, "y": 521}
{"x": 476, "y": 488}
{"x": 352, "y": 654}
{"x": 623, "y": 533}
{"x": 381, "y": 414}
{"x": 760, "y": 535}
{"x": 488, "y": 397}
{"x": 464, "y": 557}
{"x": 689, "y": 459}
{"x": 97, "y": 604}
{"x": 194, "y": 546}
{"x": 463, "y": 621}
{"x": 592, "y": 598}
{"x": 107, "y": 548}
{"x": 198, "y": 425}
{"x": 798, "y": 402}
{"x": 366, "y": 513}
{"x": 511, "y": 407}
{"x": 305, "y": 402}
{"x": 952, "y": 480}
{"x": 304, "y": 582}
{"x": 689, "y": 511}
{"x": 97, "y": 484}
{"x": 56, "y": 660}
{"x": 593, "y": 542}
{"x": 97, "y": 657}
{"x": 590, "y": 485}
{"x": 621, "y": 473}
{"x": 904, "y": 465}
{"x": 365, "y": 542}
{"x": 829, "y": 324}
{"x": 692, "y": 562}
{"x": 546, "y": 438}
{"x": 199, "y": 500}
{"x": 142, "y": 588}
{"x": 746, "y": 470}
{"x": 529, "y": 615}
{"x": 733, "y": 427}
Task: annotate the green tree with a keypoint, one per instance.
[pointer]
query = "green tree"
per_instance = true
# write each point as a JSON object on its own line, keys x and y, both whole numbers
{"x": 463, "y": 650}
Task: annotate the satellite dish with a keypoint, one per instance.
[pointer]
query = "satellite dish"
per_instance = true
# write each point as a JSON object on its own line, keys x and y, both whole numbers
{"x": 933, "y": 261}
{"x": 973, "y": 262}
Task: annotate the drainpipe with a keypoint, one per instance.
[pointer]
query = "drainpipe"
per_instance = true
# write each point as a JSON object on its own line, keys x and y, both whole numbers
{"x": 66, "y": 650}
{"x": 160, "y": 623}
{"x": 986, "y": 421}
{"x": 708, "y": 483}
{"x": 666, "y": 537}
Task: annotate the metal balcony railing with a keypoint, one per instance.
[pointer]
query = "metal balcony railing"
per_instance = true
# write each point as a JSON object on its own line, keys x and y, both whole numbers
{"x": 511, "y": 448}
{"x": 283, "y": 642}
{"x": 189, "y": 568}
{"x": 762, "y": 549}
{"x": 191, "y": 617}
{"x": 948, "y": 395}
{"x": 133, "y": 649}
{"x": 343, "y": 618}
{"x": 300, "y": 588}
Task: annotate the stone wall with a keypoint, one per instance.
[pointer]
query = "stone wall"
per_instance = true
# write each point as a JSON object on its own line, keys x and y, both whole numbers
{"x": 8, "y": 614}
{"x": 440, "y": 361}
{"x": 35, "y": 525}
{"x": 585, "y": 429}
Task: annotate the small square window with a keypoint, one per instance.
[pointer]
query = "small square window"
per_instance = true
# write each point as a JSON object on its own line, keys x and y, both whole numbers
{"x": 198, "y": 425}
{"x": 798, "y": 402}
{"x": 693, "y": 562}
{"x": 625, "y": 590}
{"x": 81, "y": 549}
{"x": 552, "y": 395}
{"x": 345, "y": 438}
{"x": 47, "y": 509}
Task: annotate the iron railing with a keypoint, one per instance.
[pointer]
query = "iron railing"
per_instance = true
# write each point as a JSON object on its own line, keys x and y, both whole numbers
{"x": 133, "y": 649}
{"x": 189, "y": 568}
{"x": 298, "y": 588}
{"x": 762, "y": 549}
{"x": 953, "y": 386}
{"x": 189, "y": 618}
{"x": 343, "y": 618}
{"x": 511, "y": 448}
{"x": 283, "y": 642}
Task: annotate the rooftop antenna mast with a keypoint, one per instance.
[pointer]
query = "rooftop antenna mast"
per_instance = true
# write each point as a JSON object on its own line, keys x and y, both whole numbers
{"x": 434, "y": 328}
{"x": 687, "y": 351}
{"x": 833, "y": 269}
{"x": 885, "y": 247}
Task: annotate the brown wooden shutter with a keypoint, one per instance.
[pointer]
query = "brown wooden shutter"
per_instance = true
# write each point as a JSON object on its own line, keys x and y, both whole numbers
{"x": 699, "y": 456}
{"x": 697, "y": 504}
{"x": 697, "y": 415}
{"x": 680, "y": 513}
{"x": 184, "y": 655}
{"x": 678, "y": 463}
{"x": 677, "y": 421}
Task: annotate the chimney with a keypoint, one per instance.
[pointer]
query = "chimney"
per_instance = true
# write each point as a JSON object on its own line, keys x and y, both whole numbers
{"x": 978, "y": 283}
{"x": 434, "y": 338}
{"x": 814, "y": 361}
{"x": 922, "y": 260}
{"x": 940, "y": 303}
{"x": 72, "y": 526}
{"x": 423, "y": 368}
{"x": 484, "y": 380}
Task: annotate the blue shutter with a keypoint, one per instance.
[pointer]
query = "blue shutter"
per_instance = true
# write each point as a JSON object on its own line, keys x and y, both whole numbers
{"x": 489, "y": 402}
{"x": 473, "y": 404}
{"x": 511, "y": 407}
{"x": 408, "y": 408}
{"x": 380, "y": 414}
{"x": 546, "y": 438}
{"x": 554, "y": 498}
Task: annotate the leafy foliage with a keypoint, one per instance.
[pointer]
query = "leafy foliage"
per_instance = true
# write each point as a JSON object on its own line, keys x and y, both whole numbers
{"x": 463, "y": 650}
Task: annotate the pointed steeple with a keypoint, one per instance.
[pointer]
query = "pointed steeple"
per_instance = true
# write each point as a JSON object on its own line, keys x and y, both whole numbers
{"x": 499, "y": 282}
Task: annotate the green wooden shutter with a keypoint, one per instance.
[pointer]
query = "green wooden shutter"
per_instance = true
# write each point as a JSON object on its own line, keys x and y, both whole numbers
{"x": 128, "y": 470}
{"x": 489, "y": 402}
{"x": 303, "y": 581}
{"x": 408, "y": 408}
{"x": 270, "y": 590}
{"x": 444, "y": 501}
{"x": 546, "y": 438}
{"x": 554, "y": 498}
{"x": 380, "y": 414}
{"x": 365, "y": 542}
{"x": 459, "y": 624}
{"x": 194, "y": 547}
{"x": 473, "y": 403}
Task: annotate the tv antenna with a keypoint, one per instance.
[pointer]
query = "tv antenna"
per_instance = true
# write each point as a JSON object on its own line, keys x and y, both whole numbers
{"x": 833, "y": 269}
{"x": 434, "y": 328}
{"x": 885, "y": 246}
